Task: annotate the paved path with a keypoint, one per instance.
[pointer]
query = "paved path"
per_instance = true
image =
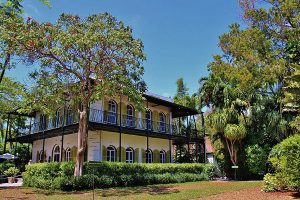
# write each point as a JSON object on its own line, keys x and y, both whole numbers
{"x": 19, "y": 183}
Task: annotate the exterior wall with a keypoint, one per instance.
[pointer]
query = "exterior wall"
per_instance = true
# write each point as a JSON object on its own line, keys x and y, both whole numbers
{"x": 37, "y": 146}
{"x": 99, "y": 140}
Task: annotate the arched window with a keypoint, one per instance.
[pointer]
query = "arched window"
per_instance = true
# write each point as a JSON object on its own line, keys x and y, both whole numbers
{"x": 149, "y": 156}
{"x": 129, "y": 155}
{"x": 68, "y": 155}
{"x": 148, "y": 119}
{"x": 56, "y": 153}
{"x": 162, "y": 122}
{"x": 162, "y": 156}
{"x": 111, "y": 154}
{"x": 112, "y": 112}
{"x": 130, "y": 116}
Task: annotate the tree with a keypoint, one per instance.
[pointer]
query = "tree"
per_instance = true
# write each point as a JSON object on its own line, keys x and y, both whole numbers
{"x": 252, "y": 71}
{"x": 10, "y": 10}
{"x": 85, "y": 60}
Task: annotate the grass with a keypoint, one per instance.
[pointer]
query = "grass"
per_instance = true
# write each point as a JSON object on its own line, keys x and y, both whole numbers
{"x": 164, "y": 192}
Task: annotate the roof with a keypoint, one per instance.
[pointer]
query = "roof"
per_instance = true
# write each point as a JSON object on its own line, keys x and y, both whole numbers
{"x": 208, "y": 145}
{"x": 176, "y": 109}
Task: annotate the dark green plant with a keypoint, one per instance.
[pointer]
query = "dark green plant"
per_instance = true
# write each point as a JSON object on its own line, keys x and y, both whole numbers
{"x": 285, "y": 158}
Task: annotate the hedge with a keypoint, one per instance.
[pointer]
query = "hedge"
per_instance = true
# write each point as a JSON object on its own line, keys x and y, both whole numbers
{"x": 285, "y": 158}
{"x": 111, "y": 174}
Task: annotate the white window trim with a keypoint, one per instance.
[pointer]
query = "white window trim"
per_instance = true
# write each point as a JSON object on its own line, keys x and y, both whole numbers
{"x": 128, "y": 152}
{"x": 149, "y": 156}
{"x": 162, "y": 156}
{"x": 56, "y": 153}
{"x": 109, "y": 153}
{"x": 68, "y": 155}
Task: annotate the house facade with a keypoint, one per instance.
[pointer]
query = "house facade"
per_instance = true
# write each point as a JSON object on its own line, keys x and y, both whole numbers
{"x": 117, "y": 131}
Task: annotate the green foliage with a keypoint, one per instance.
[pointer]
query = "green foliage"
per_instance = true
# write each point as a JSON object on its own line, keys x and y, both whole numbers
{"x": 256, "y": 159}
{"x": 12, "y": 171}
{"x": 5, "y": 166}
{"x": 235, "y": 132}
{"x": 285, "y": 158}
{"x": 109, "y": 174}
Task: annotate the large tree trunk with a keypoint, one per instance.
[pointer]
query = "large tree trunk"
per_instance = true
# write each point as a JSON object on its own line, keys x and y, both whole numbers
{"x": 82, "y": 135}
{"x": 232, "y": 152}
{"x": 6, "y": 64}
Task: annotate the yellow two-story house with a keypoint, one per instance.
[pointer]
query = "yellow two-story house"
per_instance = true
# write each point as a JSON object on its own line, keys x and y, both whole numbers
{"x": 116, "y": 132}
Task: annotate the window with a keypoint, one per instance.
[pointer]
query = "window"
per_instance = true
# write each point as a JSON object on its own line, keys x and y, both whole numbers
{"x": 148, "y": 119}
{"x": 162, "y": 156}
{"x": 129, "y": 155}
{"x": 111, "y": 154}
{"x": 149, "y": 156}
{"x": 130, "y": 116}
{"x": 112, "y": 112}
{"x": 68, "y": 155}
{"x": 56, "y": 153}
{"x": 162, "y": 122}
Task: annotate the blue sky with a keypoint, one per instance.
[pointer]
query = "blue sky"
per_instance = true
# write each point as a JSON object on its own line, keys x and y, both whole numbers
{"x": 180, "y": 36}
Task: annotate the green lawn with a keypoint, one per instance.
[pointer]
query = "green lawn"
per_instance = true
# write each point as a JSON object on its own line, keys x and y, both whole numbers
{"x": 167, "y": 191}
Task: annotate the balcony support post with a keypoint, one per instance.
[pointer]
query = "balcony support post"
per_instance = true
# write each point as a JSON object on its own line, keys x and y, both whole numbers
{"x": 170, "y": 148}
{"x": 120, "y": 131}
{"x": 7, "y": 128}
{"x": 63, "y": 132}
{"x": 43, "y": 126}
{"x": 203, "y": 135}
{"x": 30, "y": 125}
{"x": 147, "y": 151}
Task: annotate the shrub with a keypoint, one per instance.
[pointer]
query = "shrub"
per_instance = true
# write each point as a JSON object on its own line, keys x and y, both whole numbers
{"x": 11, "y": 172}
{"x": 5, "y": 166}
{"x": 285, "y": 158}
{"x": 256, "y": 159}
{"x": 106, "y": 174}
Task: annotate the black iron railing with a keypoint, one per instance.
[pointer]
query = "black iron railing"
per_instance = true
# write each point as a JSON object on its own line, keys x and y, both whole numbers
{"x": 109, "y": 118}
{"x": 128, "y": 121}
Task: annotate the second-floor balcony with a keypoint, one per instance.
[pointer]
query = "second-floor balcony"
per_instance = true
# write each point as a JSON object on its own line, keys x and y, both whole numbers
{"x": 101, "y": 117}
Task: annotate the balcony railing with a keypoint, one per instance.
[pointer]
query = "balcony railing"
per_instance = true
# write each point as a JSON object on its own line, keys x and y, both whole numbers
{"x": 108, "y": 118}
{"x": 102, "y": 117}
{"x": 127, "y": 121}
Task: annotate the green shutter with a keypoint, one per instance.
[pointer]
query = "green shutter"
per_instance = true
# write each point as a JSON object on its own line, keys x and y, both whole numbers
{"x": 155, "y": 116}
{"x": 63, "y": 155}
{"x": 143, "y": 155}
{"x": 167, "y": 119}
{"x": 123, "y": 153}
{"x": 124, "y": 109}
{"x": 45, "y": 157}
{"x": 37, "y": 156}
{"x": 85, "y": 154}
{"x": 156, "y": 156}
{"x": 168, "y": 157}
{"x": 136, "y": 155}
{"x": 106, "y": 104}
{"x": 104, "y": 153}
{"x": 73, "y": 153}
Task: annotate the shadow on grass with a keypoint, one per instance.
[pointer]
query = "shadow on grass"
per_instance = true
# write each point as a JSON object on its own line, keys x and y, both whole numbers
{"x": 296, "y": 195}
{"x": 151, "y": 190}
{"x": 110, "y": 192}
